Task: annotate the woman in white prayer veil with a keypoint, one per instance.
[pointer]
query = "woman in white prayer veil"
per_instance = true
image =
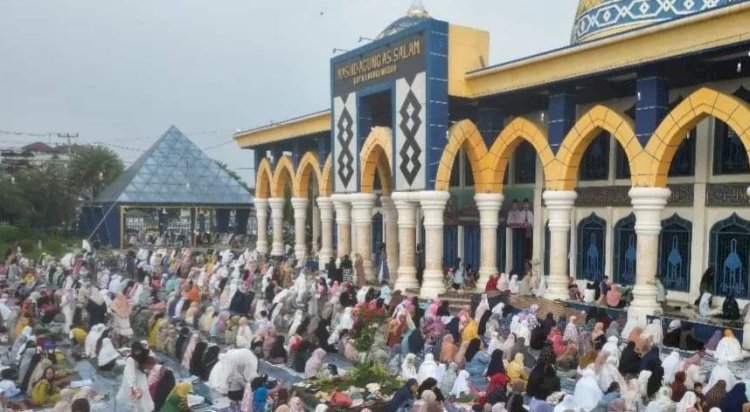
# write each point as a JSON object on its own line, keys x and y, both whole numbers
{"x": 92, "y": 338}
{"x": 687, "y": 402}
{"x": 498, "y": 309}
{"x": 542, "y": 288}
{"x": 654, "y": 330}
{"x": 587, "y": 393}
{"x": 461, "y": 385}
{"x": 729, "y": 348}
{"x": 484, "y": 305}
{"x": 609, "y": 373}
{"x": 428, "y": 369}
{"x": 504, "y": 283}
{"x": 571, "y": 331}
{"x": 515, "y": 323}
{"x": 662, "y": 402}
{"x": 513, "y": 285}
{"x": 671, "y": 365}
{"x": 629, "y": 326}
{"x": 495, "y": 342}
{"x": 568, "y": 404}
{"x": 107, "y": 353}
{"x": 408, "y": 368}
{"x": 704, "y": 306}
{"x": 613, "y": 348}
{"x": 507, "y": 346}
{"x": 346, "y": 322}
{"x": 524, "y": 331}
{"x": 362, "y": 295}
{"x": 720, "y": 372}
{"x": 299, "y": 316}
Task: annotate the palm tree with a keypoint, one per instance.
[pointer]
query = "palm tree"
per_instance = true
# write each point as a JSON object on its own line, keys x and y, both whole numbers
{"x": 92, "y": 168}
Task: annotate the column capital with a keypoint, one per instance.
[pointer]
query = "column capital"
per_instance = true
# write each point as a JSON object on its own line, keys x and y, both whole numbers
{"x": 433, "y": 206}
{"x": 645, "y": 198}
{"x": 299, "y": 201}
{"x": 260, "y": 203}
{"x": 559, "y": 199}
{"x": 407, "y": 216}
{"x": 748, "y": 193}
{"x": 276, "y": 202}
{"x": 489, "y": 201}
{"x": 324, "y": 202}
{"x": 362, "y": 200}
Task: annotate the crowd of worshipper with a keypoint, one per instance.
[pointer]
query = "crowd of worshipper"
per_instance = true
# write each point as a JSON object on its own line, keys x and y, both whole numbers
{"x": 219, "y": 315}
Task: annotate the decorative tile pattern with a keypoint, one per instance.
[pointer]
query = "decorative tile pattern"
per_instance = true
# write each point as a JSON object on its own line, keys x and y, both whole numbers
{"x": 595, "y": 18}
{"x": 411, "y": 133}
{"x": 345, "y": 143}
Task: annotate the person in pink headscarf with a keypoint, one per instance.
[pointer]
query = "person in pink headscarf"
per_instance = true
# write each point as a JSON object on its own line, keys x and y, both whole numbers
{"x": 558, "y": 346}
{"x": 433, "y": 308}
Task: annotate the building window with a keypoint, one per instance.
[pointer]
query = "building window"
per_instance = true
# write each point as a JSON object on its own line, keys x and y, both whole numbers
{"x": 683, "y": 162}
{"x": 622, "y": 166}
{"x": 592, "y": 232}
{"x": 674, "y": 253}
{"x": 456, "y": 171}
{"x": 730, "y": 255}
{"x": 625, "y": 251}
{"x": 730, "y": 156}
{"x": 524, "y": 163}
{"x": 468, "y": 175}
{"x": 595, "y": 161}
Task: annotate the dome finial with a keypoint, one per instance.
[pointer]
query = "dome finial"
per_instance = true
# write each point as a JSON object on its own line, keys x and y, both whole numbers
{"x": 417, "y": 9}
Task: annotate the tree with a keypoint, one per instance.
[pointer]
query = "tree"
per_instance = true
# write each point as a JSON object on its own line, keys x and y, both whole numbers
{"x": 92, "y": 168}
{"x": 13, "y": 205}
{"x": 233, "y": 174}
{"x": 50, "y": 196}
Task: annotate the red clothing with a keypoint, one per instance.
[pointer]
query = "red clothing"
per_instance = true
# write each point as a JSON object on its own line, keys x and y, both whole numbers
{"x": 491, "y": 284}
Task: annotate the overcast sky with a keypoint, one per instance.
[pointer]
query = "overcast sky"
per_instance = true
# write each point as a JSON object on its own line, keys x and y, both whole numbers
{"x": 123, "y": 71}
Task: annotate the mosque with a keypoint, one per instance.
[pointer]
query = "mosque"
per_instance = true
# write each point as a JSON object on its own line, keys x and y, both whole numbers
{"x": 623, "y": 154}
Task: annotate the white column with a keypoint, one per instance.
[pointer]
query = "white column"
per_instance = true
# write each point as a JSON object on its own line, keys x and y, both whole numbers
{"x": 299, "y": 204}
{"x": 326, "y": 236}
{"x": 648, "y": 204}
{"x": 433, "y": 207}
{"x": 261, "y": 213}
{"x": 315, "y": 215}
{"x": 406, "y": 275}
{"x": 558, "y": 204}
{"x": 391, "y": 234}
{"x": 489, "y": 209}
{"x": 362, "y": 204}
{"x": 343, "y": 224}
{"x": 277, "y": 220}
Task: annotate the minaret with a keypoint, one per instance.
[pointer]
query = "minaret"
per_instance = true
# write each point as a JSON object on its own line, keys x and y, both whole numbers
{"x": 417, "y": 9}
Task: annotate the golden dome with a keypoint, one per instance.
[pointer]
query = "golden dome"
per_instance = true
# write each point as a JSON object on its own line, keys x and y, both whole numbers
{"x": 600, "y": 18}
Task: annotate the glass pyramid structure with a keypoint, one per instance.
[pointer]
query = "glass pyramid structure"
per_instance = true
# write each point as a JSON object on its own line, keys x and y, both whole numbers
{"x": 174, "y": 171}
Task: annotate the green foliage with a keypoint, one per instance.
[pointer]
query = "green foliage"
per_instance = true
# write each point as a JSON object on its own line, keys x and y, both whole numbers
{"x": 360, "y": 375}
{"x": 50, "y": 196}
{"x": 93, "y": 168}
{"x": 53, "y": 244}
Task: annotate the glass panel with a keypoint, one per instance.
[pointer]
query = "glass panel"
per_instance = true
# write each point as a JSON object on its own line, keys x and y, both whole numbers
{"x": 468, "y": 175}
{"x": 625, "y": 251}
{"x": 730, "y": 255}
{"x": 524, "y": 161}
{"x": 674, "y": 253}
{"x": 595, "y": 161}
{"x": 683, "y": 163}
{"x": 592, "y": 232}
{"x": 730, "y": 156}
{"x": 622, "y": 166}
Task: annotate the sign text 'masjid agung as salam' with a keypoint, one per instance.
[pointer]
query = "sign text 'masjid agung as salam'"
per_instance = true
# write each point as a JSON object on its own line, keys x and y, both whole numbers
{"x": 396, "y": 60}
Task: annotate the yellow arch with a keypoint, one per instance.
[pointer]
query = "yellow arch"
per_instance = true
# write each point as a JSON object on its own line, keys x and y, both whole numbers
{"x": 326, "y": 186}
{"x": 263, "y": 179}
{"x": 509, "y": 138}
{"x": 586, "y": 129}
{"x": 464, "y": 134}
{"x": 377, "y": 146}
{"x": 284, "y": 173}
{"x": 309, "y": 167}
{"x": 674, "y": 128}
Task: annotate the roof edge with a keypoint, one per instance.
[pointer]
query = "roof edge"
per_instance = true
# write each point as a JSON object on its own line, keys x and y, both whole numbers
{"x": 295, "y": 127}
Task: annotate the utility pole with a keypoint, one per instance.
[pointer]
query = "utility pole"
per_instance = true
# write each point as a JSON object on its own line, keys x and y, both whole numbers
{"x": 68, "y": 136}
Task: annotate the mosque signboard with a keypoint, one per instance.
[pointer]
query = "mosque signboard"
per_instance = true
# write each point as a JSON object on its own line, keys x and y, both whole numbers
{"x": 399, "y": 81}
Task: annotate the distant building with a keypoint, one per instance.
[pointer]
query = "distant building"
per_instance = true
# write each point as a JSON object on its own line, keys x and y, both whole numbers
{"x": 37, "y": 154}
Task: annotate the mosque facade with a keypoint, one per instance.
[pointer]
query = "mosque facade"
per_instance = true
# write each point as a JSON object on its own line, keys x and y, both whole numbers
{"x": 624, "y": 154}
